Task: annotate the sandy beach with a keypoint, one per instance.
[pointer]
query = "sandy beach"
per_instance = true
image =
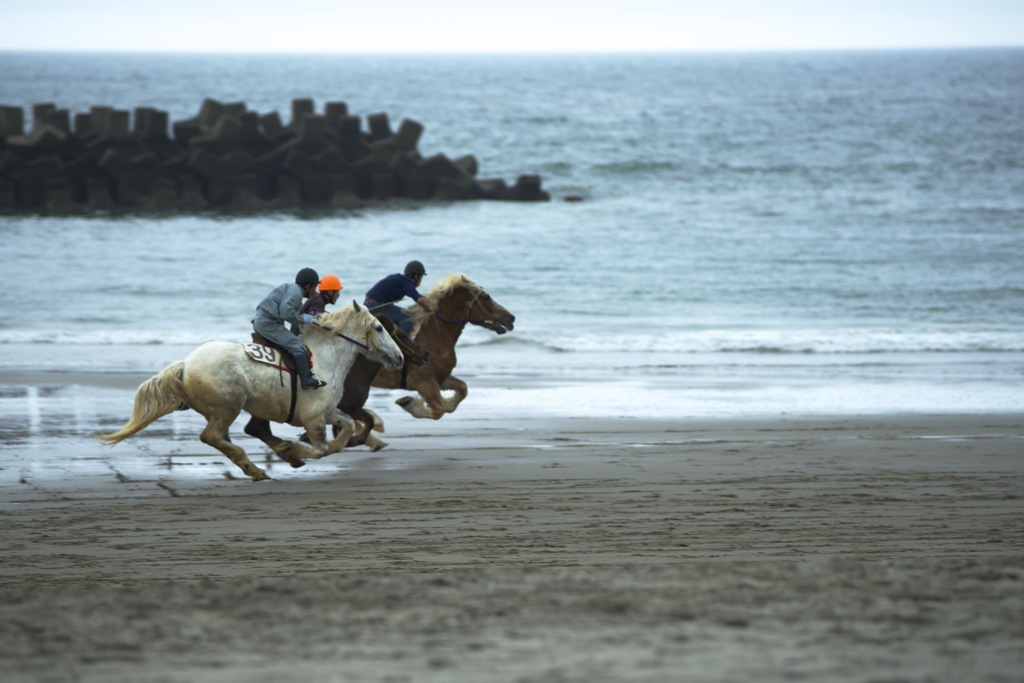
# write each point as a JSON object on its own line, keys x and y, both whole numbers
{"x": 825, "y": 549}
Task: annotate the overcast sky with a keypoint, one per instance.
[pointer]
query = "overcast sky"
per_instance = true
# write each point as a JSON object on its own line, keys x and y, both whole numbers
{"x": 505, "y": 26}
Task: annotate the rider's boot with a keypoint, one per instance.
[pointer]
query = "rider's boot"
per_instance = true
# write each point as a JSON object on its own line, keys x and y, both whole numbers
{"x": 305, "y": 374}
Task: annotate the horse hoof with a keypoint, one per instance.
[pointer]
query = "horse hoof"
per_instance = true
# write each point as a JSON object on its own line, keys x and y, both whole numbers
{"x": 379, "y": 445}
{"x": 404, "y": 401}
{"x": 291, "y": 460}
{"x": 259, "y": 475}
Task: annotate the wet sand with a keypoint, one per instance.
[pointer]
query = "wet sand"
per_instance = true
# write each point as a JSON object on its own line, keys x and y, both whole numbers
{"x": 826, "y": 549}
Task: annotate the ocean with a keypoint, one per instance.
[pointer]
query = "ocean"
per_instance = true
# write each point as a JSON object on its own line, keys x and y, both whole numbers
{"x": 771, "y": 234}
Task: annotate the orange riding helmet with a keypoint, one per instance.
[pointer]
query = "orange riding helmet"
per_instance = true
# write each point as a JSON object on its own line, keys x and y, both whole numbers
{"x": 330, "y": 283}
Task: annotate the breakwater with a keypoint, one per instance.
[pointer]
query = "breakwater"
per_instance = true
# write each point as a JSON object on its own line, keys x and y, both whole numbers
{"x": 229, "y": 156}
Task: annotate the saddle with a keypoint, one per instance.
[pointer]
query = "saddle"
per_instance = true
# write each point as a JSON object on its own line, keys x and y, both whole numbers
{"x": 263, "y": 350}
{"x": 285, "y": 356}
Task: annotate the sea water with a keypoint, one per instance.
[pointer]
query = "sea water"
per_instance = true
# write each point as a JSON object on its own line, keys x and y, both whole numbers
{"x": 759, "y": 234}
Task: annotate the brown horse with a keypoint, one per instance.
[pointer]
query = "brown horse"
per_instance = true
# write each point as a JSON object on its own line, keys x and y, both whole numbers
{"x": 457, "y": 301}
{"x": 353, "y": 398}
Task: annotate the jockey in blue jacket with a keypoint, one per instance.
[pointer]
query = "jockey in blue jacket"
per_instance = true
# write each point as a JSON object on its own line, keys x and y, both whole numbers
{"x": 384, "y": 296}
{"x": 282, "y": 306}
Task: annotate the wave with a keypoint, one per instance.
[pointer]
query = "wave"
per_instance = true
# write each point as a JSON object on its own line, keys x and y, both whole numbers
{"x": 760, "y": 342}
{"x": 635, "y": 167}
{"x": 148, "y": 337}
{"x": 778, "y": 342}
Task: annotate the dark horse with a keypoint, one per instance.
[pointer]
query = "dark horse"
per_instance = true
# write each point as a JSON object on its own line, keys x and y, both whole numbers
{"x": 357, "y": 389}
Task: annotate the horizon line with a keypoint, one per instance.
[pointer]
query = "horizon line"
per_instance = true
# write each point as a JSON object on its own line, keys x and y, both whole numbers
{"x": 524, "y": 53}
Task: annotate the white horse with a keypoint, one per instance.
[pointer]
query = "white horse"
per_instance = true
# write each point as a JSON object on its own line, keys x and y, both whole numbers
{"x": 219, "y": 380}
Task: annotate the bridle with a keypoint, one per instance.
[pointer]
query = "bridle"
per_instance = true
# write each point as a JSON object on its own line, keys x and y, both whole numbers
{"x": 469, "y": 304}
{"x": 370, "y": 337}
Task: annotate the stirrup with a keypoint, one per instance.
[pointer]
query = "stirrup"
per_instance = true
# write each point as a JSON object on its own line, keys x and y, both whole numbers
{"x": 316, "y": 384}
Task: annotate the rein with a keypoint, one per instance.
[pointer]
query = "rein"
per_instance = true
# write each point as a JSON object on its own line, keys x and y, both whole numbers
{"x": 358, "y": 343}
{"x": 438, "y": 316}
{"x": 405, "y": 345}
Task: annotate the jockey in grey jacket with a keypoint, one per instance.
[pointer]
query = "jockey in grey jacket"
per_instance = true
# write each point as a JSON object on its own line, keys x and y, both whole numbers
{"x": 282, "y": 306}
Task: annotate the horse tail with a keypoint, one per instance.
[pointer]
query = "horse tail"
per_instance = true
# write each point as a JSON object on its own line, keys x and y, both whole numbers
{"x": 159, "y": 395}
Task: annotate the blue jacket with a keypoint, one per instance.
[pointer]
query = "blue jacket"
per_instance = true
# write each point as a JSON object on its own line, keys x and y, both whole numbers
{"x": 393, "y": 288}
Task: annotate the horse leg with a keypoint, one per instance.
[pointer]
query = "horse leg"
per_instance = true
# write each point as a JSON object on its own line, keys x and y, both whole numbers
{"x": 366, "y": 437}
{"x": 372, "y": 422}
{"x": 316, "y": 433}
{"x": 378, "y": 423}
{"x": 213, "y": 435}
{"x": 260, "y": 429}
{"x": 374, "y": 443}
{"x": 429, "y": 405}
{"x": 365, "y": 424}
{"x": 294, "y": 452}
{"x": 452, "y": 383}
{"x": 346, "y": 428}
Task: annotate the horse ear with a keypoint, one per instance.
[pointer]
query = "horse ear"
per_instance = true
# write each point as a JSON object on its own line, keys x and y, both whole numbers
{"x": 356, "y": 306}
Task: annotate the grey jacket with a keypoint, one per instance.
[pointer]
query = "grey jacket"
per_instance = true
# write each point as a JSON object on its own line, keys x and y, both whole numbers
{"x": 282, "y": 304}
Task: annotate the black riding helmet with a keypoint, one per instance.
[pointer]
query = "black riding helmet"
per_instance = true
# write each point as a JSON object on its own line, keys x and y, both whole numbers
{"x": 414, "y": 268}
{"x": 307, "y": 276}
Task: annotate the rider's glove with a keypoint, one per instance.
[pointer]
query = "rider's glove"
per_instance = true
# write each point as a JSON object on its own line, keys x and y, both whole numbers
{"x": 307, "y": 318}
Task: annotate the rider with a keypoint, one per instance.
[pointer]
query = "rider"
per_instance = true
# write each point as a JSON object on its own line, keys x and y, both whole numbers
{"x": 281, "y": 306}
{"x": 330, "y": 289}
{"x": 383, "y": 296}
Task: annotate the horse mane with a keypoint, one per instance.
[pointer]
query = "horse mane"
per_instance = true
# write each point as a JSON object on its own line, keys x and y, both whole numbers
{"x": 338, "y": 319}
{"x": 438, "y": 291}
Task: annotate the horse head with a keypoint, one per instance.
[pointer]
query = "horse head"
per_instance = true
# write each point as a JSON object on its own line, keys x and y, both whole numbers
{"x": 356, "y": 324}
{"x": 413, "y": 352}
{"x": 460, "y": 300}
{"x": 491, "y": 314}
